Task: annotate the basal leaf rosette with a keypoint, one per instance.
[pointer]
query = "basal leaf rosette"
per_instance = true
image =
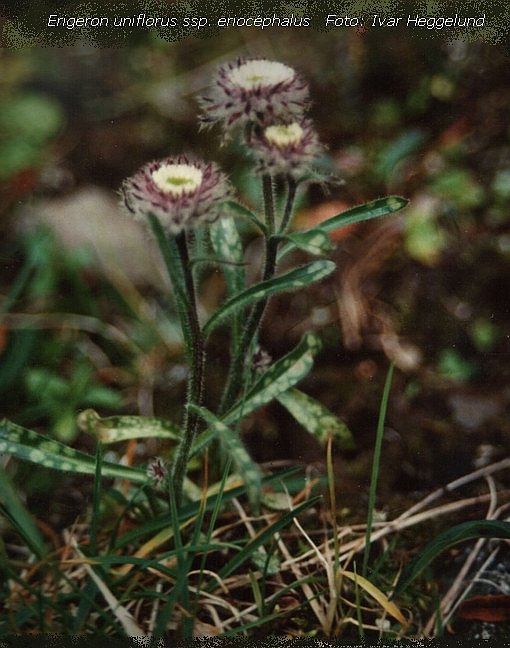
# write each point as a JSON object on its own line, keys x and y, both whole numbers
{"x": 287, "y": 149}
{"x": 181, "y": 192}
{"x": 256, "y": 91}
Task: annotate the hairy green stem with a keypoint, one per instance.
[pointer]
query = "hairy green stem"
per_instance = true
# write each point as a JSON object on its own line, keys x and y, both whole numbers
{"x": 196, "y": 377}
{"x": 267, "y": 189}
{"x": 171, "y": 257}
{"x": 176, "y": 257}
{"x": 289, "y": 205}
{"x": 255, "y": 317}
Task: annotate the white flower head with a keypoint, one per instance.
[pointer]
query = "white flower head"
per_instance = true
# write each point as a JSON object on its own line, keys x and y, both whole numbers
{"x": 182, "y": 193}
{"x": 256, "y": 91}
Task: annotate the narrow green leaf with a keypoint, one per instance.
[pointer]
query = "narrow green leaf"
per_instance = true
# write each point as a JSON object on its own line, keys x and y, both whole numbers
{"x": 96, "y": 499}
{"x": 156, "y": 525}
{"x": 459, "y": 533}
{"x": 243, "y": 211}
{"x": 227, "y": 244}
{"x": 374, "y": 209}
{"x": 170, "y": 252}
{"x": 279, "y": 378}
{"x": 180, "y": 591}
{"x": 314, "y": 241}
{"x": 374, "y": 474}
{"x": 376, "y": 593}
{"x": 297, "y": 278}
{"x": 246, "y": 467}
{"x": 36, "y": 448}
{"x": 14, "y": 510}
{"x": 112, "y": 429}
{"x": 397, "y": 150}
{"x": 17, "y": 287}
{"x": 316, "y": 418}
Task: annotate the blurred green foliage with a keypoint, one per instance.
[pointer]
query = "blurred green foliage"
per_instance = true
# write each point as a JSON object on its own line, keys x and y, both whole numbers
{"x": 28, "y": 123}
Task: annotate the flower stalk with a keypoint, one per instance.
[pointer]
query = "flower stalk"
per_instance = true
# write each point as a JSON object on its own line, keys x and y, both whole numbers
{"x": 175, "y": 195}
{"x": 176, "y": 256}
{"x": 251, "y": 327}
{"x": 195, "y": 388}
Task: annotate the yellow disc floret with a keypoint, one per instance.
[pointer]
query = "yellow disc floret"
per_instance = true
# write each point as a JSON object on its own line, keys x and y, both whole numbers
{"x": 260, "y": 73}
{"x": 284, "y": 135}
{"x": 177, "y": 179}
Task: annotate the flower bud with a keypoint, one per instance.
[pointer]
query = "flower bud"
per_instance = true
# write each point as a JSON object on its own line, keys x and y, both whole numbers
{"x": 287, "y": 149}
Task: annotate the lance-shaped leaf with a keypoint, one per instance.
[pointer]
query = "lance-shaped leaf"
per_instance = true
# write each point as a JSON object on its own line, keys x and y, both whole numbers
{"x": 297, "y": 278}
{"x": 36, "y": 448}
{"x": 246, "y": 467}
{"x": 279, "y": 378}
{"x": 227, "y": 244}
{"x": 459, "y": 533}
{"x": 314, "y": 241}
{"x": 243, "y": 211}
{"x": 316, "y": 418}
{"x": 112, "y": 429}
{"x": 374, "y": 209}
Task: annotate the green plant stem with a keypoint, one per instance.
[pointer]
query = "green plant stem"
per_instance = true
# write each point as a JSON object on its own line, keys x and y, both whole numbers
{"x": 289, "y": 205}
{"x": 196, "y": 377}
{"x": 252, "y": 323}
{"x": 267, "y": 189}
{"x": 375, "y": 465}
{"x": 171, "y": 256}
{"x": 179, "y": 267}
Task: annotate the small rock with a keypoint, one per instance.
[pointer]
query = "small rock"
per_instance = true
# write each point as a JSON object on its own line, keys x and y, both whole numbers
{"x": 91, "y": 218}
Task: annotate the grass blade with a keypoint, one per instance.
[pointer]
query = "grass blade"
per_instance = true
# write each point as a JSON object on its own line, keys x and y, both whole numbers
{"x": 162, "y": 524}
{"x": 125, "y": 618}
{"x": 459, "y": 533}
{"x": 376, "y": 593}
{"x": 96, "y": 499}
{"x": 181, "y": 586}
{"x": 260, "y": 539}
{"x": 14, "y": 510}
{"x": 375, "y": 464}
